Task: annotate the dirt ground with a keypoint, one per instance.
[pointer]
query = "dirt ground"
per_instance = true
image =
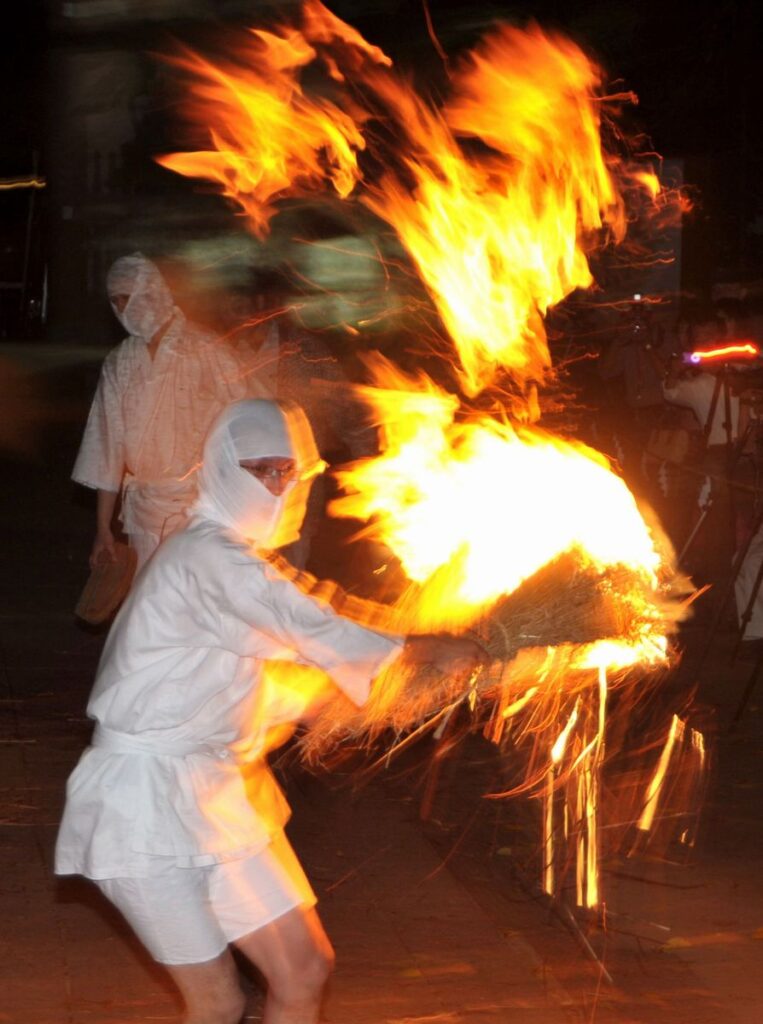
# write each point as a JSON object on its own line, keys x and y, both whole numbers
{"x": 434, "y": 920}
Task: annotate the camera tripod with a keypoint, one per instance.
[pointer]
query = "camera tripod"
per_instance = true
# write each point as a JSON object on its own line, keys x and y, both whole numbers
{"x": 734, "y": 448}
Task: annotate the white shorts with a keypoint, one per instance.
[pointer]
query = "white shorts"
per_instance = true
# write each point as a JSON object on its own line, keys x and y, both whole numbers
{"x": 189, "y": 915}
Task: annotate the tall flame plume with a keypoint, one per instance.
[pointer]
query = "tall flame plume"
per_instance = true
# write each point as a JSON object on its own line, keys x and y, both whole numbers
{"x": 499, "y": 195}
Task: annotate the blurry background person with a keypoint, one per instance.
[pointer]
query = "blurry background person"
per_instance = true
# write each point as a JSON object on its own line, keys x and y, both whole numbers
{"x": 704, "y": 392}
{"x": 748, "y": 592}
{"x": 683, "y": 423}
{"x": 291, "y": 363}
{"x": 707, "y": 391}
{"x": 158, "y": 393}
{"x": 726, "y": 405}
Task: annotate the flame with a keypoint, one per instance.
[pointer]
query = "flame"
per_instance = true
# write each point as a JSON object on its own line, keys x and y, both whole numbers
{"x": 498, "y": 232}
{"x": 650, "y": 182}
{"x": 499, "y": 195}
{"x": 268, "y": 136}
{"x": 498, "y": 239}
{"x": 499, "y": 236}
{"x": 448, "y": 493}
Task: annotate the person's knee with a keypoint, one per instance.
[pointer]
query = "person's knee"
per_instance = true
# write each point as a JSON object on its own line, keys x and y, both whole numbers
{"x": 303, "y": 979}
{"x": 322, "y": 966}
{"x": 294, "y": 956}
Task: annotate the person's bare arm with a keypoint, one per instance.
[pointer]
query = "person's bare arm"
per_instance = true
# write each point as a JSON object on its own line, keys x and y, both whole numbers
{"x": 103, "y": 545}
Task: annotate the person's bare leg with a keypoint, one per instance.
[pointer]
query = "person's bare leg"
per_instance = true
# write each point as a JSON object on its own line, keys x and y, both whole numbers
{"x": 210, "y": 990}
{"x": 295, "y": 957}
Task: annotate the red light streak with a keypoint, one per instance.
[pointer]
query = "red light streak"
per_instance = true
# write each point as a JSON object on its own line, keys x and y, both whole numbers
{"x": 739, "y": 350}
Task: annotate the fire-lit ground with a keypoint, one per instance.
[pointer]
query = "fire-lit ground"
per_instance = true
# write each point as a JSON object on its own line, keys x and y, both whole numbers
{"x": 430, "y": 921}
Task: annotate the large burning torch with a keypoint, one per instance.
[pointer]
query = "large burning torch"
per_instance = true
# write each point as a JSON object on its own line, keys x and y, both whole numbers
{"x": 530, "y": 540}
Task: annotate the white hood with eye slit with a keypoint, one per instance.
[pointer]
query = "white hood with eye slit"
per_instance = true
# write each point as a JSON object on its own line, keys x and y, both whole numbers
{"x": 229, "y": 495}
{"x": 150, "y": 304}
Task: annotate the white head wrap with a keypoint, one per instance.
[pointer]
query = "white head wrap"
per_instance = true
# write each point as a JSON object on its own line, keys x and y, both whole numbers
{"x": 254, "y": 429}
{"x": 150, "y": 305}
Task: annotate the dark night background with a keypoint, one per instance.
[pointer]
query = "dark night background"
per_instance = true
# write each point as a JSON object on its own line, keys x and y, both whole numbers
{"x": 89, "y": 106}
{"x": 86, "y": 108}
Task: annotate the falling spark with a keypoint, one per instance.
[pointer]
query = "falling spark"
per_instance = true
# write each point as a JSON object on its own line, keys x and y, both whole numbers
{"x": 557, "y": 751}
{"x": 675, "y": 735}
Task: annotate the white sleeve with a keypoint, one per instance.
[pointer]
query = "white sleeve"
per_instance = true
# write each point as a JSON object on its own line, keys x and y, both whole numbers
{"x": 100, "y": 460}
{"x": 282, "y": 621}
{"x": 230, "y": 372}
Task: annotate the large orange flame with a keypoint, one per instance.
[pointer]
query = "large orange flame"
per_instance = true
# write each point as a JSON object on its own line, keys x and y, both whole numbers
{"x": 492, "y": 500}
{"x": 268, "y": 138}
{"x": 498, "y": 231}
{"x": 501, "y": 236}
{"x": 498, "y": 196}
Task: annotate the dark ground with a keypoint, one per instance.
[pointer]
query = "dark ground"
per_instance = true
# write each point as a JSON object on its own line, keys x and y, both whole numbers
{"x": 434, "y": 921}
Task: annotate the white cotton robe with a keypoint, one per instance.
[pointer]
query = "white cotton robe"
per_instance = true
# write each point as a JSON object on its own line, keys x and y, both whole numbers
{"x": 182, "y": 670}
{"x": 148, "y": 422}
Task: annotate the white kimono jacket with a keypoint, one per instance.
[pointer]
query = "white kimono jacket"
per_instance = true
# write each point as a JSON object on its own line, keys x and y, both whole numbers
{"x": 179, "y": 705}
{"x": 148, "y": 422}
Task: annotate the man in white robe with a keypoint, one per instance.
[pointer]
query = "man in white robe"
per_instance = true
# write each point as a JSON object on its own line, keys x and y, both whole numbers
{"x": 158, "y": 393}
{"x": 157, "y": 811}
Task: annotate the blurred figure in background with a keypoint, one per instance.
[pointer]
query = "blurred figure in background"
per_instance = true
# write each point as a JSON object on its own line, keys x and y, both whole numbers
{"x": 709, "y": 392}
{"x": 701, "y": 389}
{"x": 633, "y": 381}
{"x": 290, "y": 363}
{"x": 158, "y": 393}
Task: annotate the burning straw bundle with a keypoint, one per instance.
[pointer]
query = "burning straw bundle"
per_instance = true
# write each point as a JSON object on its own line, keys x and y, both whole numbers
{"x": 564, "y": 605}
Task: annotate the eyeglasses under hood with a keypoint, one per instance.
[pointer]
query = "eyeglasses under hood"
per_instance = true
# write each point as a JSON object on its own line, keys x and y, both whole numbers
{"x": 229, "y": 495}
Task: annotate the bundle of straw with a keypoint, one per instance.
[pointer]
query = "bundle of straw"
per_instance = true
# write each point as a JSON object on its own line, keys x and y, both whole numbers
{"x": 562, "y": 604}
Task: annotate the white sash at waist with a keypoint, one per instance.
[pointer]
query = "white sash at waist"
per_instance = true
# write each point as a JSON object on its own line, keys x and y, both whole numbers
{"x": 157, "y": 507}
{"x": 128, "y": 743}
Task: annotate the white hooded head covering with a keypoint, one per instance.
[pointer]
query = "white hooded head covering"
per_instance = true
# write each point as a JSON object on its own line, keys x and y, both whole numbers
{"x": 254, "y": 429}
{"x": 150, "y": 304}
